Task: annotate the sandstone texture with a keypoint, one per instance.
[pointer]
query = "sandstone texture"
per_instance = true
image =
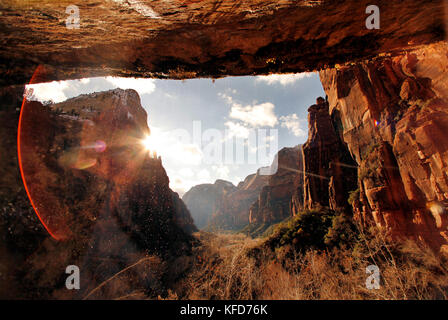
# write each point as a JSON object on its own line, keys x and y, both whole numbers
{"x": 103, "y": 199}
{"x": 96, "y": 139}
{"x": 85, "y": 169}
{"x": 394, "y": 119}
{"x": 232, "y": 210}
{"x": 202, "y": 200}
{"x": 329, "y": 170}
{"x": 274, "y": 202}
{"x": 186, "y": 39}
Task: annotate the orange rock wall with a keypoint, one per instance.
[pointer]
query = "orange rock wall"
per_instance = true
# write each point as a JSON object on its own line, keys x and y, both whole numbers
{"x": 394, "y": 116}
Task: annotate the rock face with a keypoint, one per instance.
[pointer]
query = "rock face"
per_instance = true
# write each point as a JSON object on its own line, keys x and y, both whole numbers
{"x": 21, "y": 233}
{"x": 330, "y": 173}
{"x": 95, "y": 137}
{"x": 274, "y": 202}
{"x": 185, "y": 39}
{"x": 183, "y": 217}
{"x": 297, "y": 204}
{"x": 394, "y": 119}
{"x": 96, "y": 190}
{"x": 232, "y": 210}
{"x": 202, "y": 200}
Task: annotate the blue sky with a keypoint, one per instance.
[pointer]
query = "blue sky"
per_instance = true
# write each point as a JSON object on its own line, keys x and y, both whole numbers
{"x": 192, "y": 121}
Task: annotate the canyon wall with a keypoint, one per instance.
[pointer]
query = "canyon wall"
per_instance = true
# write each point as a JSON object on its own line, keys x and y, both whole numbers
{"x": 297, "y": 204}
{"x": 202, "y": 200}
{"x": 21, "y": 233}
{"x": 232, "y": 210}
{"x": 329, "y": 170}
{"x": 274, "y": 202}
{"x": 258, "y": 200}
{"x": 207, "y": 38}
{"x": 393, "y": 116}
{"x": 105, "y": 202}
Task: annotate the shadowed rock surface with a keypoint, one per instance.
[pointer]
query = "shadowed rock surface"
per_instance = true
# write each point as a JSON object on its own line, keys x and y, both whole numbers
{"x": 186, "y": 39}
{"x": 109, "y": 204}
{"x": 202, "y": 199}
{"x": 232, "y": 210}
{"x": 387, "y": 94}
{"x": 329, "y": 171}
{"x": 274, "y": 202}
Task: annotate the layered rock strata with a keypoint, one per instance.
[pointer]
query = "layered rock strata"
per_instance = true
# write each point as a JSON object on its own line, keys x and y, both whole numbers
{"x": 394, "y": 119}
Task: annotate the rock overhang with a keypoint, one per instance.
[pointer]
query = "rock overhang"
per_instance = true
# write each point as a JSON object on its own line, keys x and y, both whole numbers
{"x": 192, "y": 39}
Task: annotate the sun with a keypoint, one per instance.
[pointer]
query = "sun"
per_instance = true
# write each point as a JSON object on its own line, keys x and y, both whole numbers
{"x": 147, "y": 142}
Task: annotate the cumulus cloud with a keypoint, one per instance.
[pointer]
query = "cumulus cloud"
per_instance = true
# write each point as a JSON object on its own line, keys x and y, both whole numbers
{"x": 259, "y": 115}
{"x": 293, "y": 124}
{"x": 48, "y": 91}
{"x": 59, "y": 91}
{"x": 254, "y": 115}
{"x": 172, "y": 147}
{"x": 226, "y": 97}
{"x": 236, "y": 130}
{"x": 141, "y": 85}
{"x": 283, "y": 79}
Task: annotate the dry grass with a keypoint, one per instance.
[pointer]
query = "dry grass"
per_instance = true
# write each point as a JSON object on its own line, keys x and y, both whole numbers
{"x": 223, "y": 269}
{"x": 233, "y": 266}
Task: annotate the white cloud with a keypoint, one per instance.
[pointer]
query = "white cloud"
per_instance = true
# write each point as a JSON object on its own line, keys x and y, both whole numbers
{"x": 141, "y": 85}
{"x": 283, "y": 79}
{"x": 255, "y": 115}
{"x": 226, "y": 97}
{"x": 172, "y": 147}
{"x": 293, "y": 124}
{"x": 49, "y": 91}
{"x": 59, "y": 91}
{"x": 236, "y": 130}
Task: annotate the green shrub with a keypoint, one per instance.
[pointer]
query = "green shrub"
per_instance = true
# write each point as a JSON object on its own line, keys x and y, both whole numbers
{"x": 305, "y": 230}
{"x": 352, "y": 196}
{"x": 342, "y": 233}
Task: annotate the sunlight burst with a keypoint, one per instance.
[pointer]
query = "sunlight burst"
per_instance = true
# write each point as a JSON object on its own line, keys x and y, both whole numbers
{"x": 147, "y": 143}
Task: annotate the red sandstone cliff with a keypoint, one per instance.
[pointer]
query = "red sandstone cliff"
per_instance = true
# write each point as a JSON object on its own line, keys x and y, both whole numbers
{"x": 202, "y": 200}
{"x": 96, "y": 188}
{"x": 394, "y": 119}
{"x": 232, "y": 210}
{"x": 329, "y": 171}
{"x": 274, "y": 202}
{"x": 95, "y": 137}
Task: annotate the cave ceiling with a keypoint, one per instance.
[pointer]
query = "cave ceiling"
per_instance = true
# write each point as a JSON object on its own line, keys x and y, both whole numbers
{"x": 178, "y": 39}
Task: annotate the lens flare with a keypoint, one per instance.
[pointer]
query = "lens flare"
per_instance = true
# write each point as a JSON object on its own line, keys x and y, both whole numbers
{"x": 147, "y": 143}
{"x": 100, "y": 146}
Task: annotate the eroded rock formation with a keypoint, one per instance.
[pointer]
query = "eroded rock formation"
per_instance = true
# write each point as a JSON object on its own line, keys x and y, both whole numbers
{"x": 185, "y": 39}
{"x": 96, "y": 190}
{"x": 232, "y": 210}
{"x": 202, "y": 200}
{"x": 274, "y": 202}
{"x": 329, "y": 171}
{"x": 394, "y": 119}
{"x": 182, "y": 216}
